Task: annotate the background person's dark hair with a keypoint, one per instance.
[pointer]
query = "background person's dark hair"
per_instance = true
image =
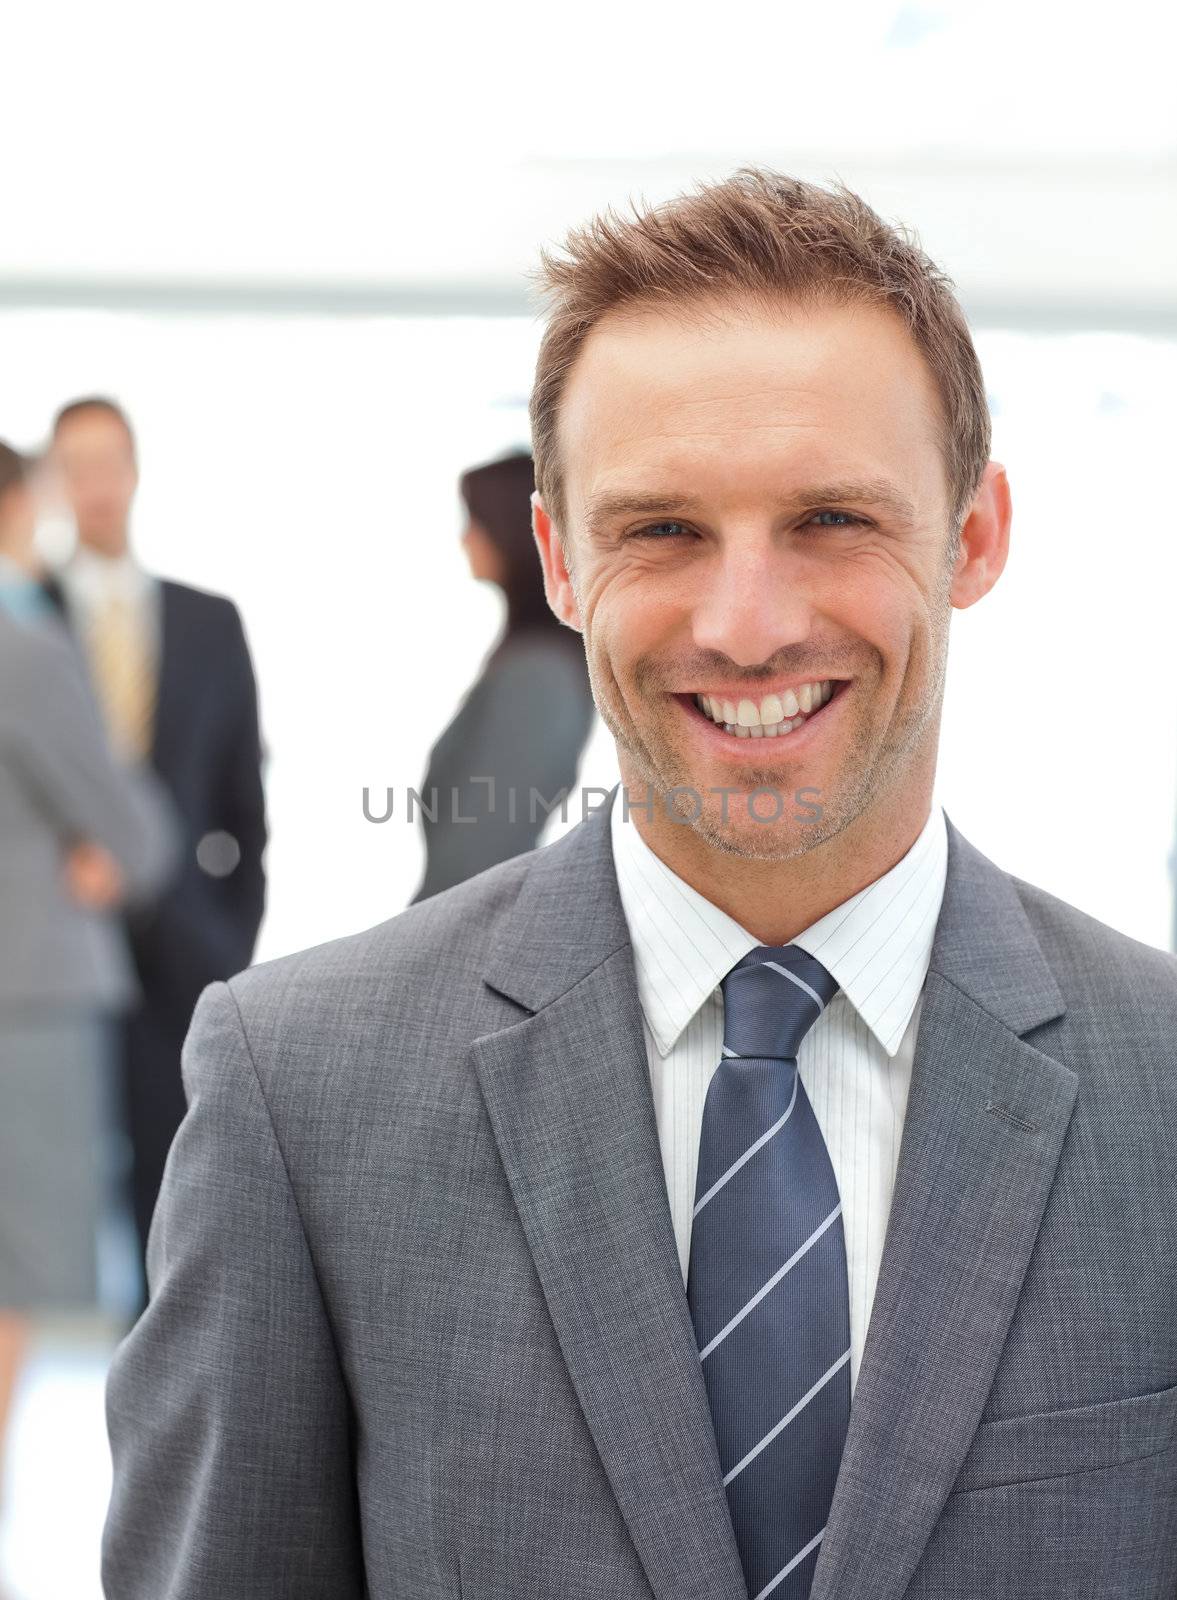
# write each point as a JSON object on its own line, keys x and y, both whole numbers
{"x": 93, "y": 402}
{"x": 14, "y": 468}
{"x": 497, "y": 496}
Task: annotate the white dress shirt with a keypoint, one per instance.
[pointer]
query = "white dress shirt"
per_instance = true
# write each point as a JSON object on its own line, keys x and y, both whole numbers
{"x": 855, "y": 1062}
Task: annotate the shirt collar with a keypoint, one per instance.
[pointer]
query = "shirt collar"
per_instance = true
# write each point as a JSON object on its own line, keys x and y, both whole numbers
{"x": 877, "y": 944}
{"x": 93, "y": 578}
{"x": 21, "y": 595}
{"x": 12, "y": 575}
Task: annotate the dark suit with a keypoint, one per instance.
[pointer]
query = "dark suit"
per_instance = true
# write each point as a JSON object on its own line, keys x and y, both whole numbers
{"x": 206, "y": 748}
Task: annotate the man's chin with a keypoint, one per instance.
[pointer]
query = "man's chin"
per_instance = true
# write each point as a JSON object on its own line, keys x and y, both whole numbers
{"x": 757, "y": 833}
{"x": 768, "y": 813}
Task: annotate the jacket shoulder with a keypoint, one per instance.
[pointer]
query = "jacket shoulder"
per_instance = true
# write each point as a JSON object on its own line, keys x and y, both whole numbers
{"x": 421, "y": 968}
{"x": 205, "y": 604}
{"x": 32, "y": 658}
{"x": 1096, "y": 962}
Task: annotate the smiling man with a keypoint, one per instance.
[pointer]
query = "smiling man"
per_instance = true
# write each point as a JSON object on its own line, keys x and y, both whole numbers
{"x": 757, "y": 1191}
{"x": 763, "y": 541}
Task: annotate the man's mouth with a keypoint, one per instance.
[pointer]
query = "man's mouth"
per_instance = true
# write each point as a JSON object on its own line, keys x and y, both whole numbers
{"x": 770, "y": 716}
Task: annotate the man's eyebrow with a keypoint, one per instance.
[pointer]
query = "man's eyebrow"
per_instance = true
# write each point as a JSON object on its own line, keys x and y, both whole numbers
{"x": 871, "y": 491}
{"x": 604, "y": 508}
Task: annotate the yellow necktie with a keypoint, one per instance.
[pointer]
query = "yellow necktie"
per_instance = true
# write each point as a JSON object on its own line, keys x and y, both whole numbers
{"x": 124, "y": 676}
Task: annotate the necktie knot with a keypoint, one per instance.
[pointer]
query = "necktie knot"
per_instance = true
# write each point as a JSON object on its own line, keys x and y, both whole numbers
{"x": 771, "y": 999}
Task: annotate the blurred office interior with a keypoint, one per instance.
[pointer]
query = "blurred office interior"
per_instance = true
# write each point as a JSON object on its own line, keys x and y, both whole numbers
{"x": 295, "y": 246}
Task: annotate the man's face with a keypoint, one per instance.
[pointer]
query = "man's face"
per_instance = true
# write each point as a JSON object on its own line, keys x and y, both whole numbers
{"x": 96, "y": 462}
{"x": 755, "y": 504}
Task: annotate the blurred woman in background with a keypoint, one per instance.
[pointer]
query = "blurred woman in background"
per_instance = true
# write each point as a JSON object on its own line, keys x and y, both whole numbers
{"x": 526, "y": 720}
{"x": 79, "y": 836}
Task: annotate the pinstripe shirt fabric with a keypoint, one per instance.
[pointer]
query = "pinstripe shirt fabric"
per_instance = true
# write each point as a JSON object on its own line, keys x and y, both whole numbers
{"x": 855, "y": 1062}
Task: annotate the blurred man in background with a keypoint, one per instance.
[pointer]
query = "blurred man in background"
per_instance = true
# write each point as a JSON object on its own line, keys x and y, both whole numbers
{"x": 174, "y": 678}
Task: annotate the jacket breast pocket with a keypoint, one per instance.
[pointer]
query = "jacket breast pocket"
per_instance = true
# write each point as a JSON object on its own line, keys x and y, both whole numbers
{"x": 1054, "y": 1444}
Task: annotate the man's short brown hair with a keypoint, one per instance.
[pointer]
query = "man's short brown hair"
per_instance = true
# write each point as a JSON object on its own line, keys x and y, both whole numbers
{"x": 764, "y": 236}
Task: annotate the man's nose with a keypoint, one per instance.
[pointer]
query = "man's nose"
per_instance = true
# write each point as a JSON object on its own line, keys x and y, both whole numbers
{"x": 751, "y": 602}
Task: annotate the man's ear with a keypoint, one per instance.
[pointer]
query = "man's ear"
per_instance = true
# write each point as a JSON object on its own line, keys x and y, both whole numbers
{"x": 557, "y": 579}
{"x": 984, "y": 539}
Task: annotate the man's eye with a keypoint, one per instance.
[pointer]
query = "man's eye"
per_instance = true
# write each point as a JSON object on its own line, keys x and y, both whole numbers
{"x": 661, "y": 530}
{"x": 844, "y": 519}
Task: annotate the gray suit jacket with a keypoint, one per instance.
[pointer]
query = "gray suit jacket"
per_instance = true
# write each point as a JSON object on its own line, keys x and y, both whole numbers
{"x": 418, "y": 1326}
{"x": 59, "y": 784}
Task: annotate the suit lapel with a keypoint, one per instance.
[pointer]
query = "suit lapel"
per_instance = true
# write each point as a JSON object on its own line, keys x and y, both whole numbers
{"x": 568, "y": 1093}
{"x": 986, "y": 1118}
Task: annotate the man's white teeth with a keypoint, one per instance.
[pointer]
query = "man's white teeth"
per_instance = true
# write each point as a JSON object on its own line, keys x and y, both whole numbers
{"x": 770, "y": 717}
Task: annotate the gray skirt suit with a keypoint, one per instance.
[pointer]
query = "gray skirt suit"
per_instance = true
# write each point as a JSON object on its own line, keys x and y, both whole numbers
{"x": 64, "y": 971}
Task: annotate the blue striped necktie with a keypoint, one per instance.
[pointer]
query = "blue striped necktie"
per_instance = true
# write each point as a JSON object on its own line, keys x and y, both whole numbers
{"x": 767, "y": 1283}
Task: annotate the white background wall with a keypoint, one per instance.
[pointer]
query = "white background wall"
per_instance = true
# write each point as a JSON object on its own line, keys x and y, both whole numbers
{"x": 1031, "y": 141}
